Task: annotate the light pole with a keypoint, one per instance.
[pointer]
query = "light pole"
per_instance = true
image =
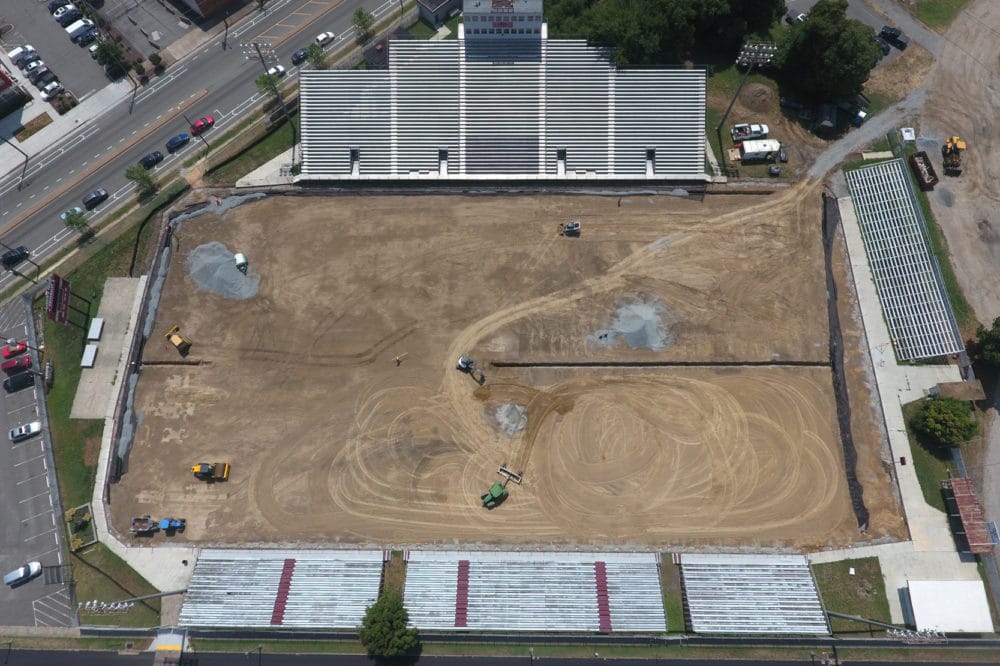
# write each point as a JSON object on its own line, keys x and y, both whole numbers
{"x": 10, "y": 645}
{"x": 225, "y": 21}
{"x": 266, "y": 46}
{"x": 23, "y": 170}
{"x": 751, "y": 54}
{"x": 531, "y": 655}
{"x": 260, "y": 650}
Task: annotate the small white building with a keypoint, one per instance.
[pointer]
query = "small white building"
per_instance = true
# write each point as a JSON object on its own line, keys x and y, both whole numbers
{"x": 759, "y": 149}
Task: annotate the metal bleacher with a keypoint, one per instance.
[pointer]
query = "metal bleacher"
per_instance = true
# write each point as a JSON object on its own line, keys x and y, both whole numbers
{"x": 233, "y": 588}
{"x": 752, "y": 594}
{"x": 533, "y": 592}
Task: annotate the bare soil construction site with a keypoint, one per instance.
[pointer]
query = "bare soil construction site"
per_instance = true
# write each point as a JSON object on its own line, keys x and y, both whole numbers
{"x": 664, "y": 379}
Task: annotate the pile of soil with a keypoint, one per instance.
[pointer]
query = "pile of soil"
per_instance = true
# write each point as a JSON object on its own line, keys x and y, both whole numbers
{"x": 757, "y": 97}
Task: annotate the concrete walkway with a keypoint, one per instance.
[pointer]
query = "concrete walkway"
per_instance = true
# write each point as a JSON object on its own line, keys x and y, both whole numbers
{"x": 931, "y": 554}
{"x": 270, "y": 173}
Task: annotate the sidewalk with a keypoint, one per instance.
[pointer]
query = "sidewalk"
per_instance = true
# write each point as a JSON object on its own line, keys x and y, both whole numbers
{"x": 931, "y": 553}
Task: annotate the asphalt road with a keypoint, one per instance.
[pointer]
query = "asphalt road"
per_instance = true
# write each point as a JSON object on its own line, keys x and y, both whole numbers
{"x": 208, "y": 81}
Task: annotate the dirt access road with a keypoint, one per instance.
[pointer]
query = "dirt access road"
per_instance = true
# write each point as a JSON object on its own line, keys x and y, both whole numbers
{"x": 333, "y": 389}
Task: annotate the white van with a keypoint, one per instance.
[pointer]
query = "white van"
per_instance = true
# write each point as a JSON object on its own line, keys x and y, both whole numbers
{"x": 74, "y": 30}
{"x": 21, "y": 54}
{"x": 23, "y": 573}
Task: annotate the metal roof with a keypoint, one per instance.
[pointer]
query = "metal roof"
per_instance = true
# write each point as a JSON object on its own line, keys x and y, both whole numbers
{"x": 263, "y": 588}
{"x": 507, "y": 111}
{"x": 534, "y": 592}
{"x": 910, "y": 288}
{"x": 752, "y": 594}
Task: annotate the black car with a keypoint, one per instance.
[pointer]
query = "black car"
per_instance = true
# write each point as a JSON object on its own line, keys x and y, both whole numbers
{"x": 884, "y": 45}
{"x": 45, "y": 78}
{"x": 14, "y": 256}
{"x": 95, "y": 198}
{"x": 151, "y": 160}
{"x": 36, "y": 74}
{"x": 72, "y": 16}
{"x": 56, "y": 4}
{"x": 19, "y": 381}
{"x": 894, "y": 36}
{"x": 88, "y": 37}
{"x": 300, "y": 56}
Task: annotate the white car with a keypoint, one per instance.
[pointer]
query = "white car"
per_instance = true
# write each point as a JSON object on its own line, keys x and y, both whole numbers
{"x": 21, "y": 433}
{"x": 75, "y": 209}
{"x": 324, "y": 38}
{"x": 32, "y": 66}
{"x": 277, "y": 71}
{"x": 62, "y": 11}
{"x": 51, "y": 90}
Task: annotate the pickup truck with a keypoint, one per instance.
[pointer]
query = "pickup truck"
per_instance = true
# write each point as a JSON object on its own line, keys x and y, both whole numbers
{"x": 745, "y": 131}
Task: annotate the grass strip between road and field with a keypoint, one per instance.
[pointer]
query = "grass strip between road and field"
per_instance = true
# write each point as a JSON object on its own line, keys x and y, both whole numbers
{"x": 931, "y": 463}
{"x": 100, "y": 575}
{"x": 937, "y": 14}
{"x": 861, "y": 593}
{"x": 277, "y": 140}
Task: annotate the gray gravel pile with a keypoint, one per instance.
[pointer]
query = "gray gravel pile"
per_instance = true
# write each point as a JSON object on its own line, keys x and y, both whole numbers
{"x": 639, "y": 324}
{"x": 512, "y": 418}
{"x": 213, "y": 268}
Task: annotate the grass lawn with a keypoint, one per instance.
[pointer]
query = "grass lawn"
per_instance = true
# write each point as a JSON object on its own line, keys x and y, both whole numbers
{"x": 100, "y": 574}
{"x": 452, "y": 24}
{"x": 394, "y": 572}
{"x": 673, "y": 603}
{"x": 270, "y": 146}
{"x": 931, "y": 462}
{"x": 33, "y": 126}
{"x": 862, "y": 594}
{"x": 421, "y": 30}
{"x": 938, "y": 14}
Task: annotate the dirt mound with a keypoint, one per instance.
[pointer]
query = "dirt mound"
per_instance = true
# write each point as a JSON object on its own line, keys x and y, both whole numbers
{"x": 757, "y": 97}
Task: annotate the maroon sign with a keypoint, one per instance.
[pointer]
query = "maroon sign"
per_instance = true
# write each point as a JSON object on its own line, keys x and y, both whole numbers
{"x": 57, "y": 295}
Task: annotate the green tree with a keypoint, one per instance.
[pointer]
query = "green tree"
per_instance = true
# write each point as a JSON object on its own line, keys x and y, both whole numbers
{"x": 77, "y": 221}
{"x": 108, "y": 53}
{"x": 266, "y": 83}
{"x": 944, "y": 422}
{"x": 987, "y": 345}
{"x": 383, "y": 629}
{"x": 144, "y": 181}
{"x": 363, "y": 24}
{"x": 829, "y": 56}
{"x": 316, "y": 56}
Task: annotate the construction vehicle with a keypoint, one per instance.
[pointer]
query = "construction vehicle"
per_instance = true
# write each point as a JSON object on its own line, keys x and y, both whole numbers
{"x": 182, "y": 344}
{"x": 496, "y": 494}
{"x": 951, "y": 151}
{"x": 211, "y": 472}
{"x": 571, "y": 229}
{"x": 147, "y": 525}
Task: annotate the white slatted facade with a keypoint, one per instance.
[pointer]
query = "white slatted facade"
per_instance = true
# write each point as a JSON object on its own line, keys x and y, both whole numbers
{"x": 534, "y": 591}
{"x": 503, "y": 120}
{"x": 239, "y": 588}
{"x": 752, "y": 594}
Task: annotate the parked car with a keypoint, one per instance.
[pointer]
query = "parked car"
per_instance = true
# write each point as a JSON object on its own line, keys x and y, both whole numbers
{"x": 56, "y": 4}
{"x": 792, "y": 19}
{"x": 16, "y": 364}
{"x": 325, "y": 38}
{"x": 75, "y": 210}
{"x": 51, "y": 90}
{"x": 882, "y": 44}
{"x": 22, "y": 574}
{"x": 70, "y": 17}
{"x": 277, "y": 71}
{"x": 783, "y": 154}
{"x": 64, "y": 9}
{"x": 300, "y": 56}
{"x": 19, "y": 382}
{"x": 202, "y": 124}
{"x": 95, "y": 198}
{"x": 151, "y": 160}
{"x": 12, "y": 258}
{"x": 10, "y": 351}
{"x": 42, "y": 77}
{"x": 89, "y": 37}
{"x": 177, "y": 142}
{"x": 93, "y": 51}
{"x": 28, "y": 67}
{"x": 22, "y": 54}
{"x": 23, "y": 432}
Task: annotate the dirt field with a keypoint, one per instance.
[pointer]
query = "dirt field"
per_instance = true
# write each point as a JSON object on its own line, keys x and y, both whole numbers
{"x": 333, "y": 441}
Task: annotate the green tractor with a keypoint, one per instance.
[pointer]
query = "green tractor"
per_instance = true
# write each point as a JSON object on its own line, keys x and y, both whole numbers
{"x": 496, "y": 494}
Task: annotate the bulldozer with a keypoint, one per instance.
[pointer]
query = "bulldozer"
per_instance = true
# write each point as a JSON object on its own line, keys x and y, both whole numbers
{"x": 211, "y": 471}
{"x": 182, "y": 344}
{"x": 951, "y": 151}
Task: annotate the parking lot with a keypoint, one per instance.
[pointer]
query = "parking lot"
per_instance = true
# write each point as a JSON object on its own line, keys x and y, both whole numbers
{"x": 30, "y": 528}
{"x": 33, "y": 24}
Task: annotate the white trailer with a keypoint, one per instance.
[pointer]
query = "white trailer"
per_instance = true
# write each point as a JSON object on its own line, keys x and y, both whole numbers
{"x": 761, "y": 149}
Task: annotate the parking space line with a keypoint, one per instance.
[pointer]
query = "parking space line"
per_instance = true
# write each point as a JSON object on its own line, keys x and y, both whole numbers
{"x": 34, "y": 497}
{"x": 37, "y": 515}
{"x": 25, "y": 462}
{"x": 40, "y": 534}
{"x": 32, "y": 478}
{"x": 50, "y": 550}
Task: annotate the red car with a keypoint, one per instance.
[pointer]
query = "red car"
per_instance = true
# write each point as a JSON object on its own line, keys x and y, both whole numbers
{"x": 202, "y": 124}
{"x": 10, "y": 351}
{"x": 16, "y": 364}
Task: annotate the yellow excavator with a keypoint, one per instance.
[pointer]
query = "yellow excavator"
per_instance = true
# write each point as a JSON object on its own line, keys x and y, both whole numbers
{"x": 182, "y": 344}
{"x": 951, "y": 151}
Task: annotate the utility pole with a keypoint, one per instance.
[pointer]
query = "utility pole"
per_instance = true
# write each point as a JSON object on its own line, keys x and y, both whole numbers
{"x": 266, "y": 46}
{"x": 24, "y": 170}
{"x": 225, "y": 37}
{"x": 200, "y": 136}
{"x": 751, "y": 54}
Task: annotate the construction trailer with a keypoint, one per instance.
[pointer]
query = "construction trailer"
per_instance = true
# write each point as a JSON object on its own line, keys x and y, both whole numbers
{"x": 759, "y": 150}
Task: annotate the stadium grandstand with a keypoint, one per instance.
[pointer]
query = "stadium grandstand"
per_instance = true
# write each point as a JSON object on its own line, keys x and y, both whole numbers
{"x": 503, "y": 102}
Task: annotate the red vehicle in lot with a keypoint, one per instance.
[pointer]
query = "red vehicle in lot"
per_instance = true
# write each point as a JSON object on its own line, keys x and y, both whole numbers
{"x": 16, "y": 364}
{"x": 202, "y": 124}
{"x": 10, "y": 351}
